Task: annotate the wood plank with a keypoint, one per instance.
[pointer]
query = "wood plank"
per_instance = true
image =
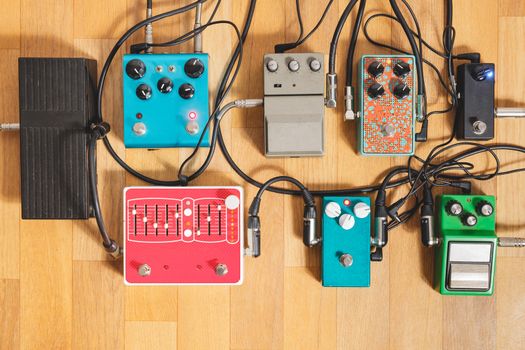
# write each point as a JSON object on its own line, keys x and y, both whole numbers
{"x": 205, "y": 309}
{"x": 260, "y": 322}
{"x": 157, "y": 303}
{"x": 100, "y": 313}
{"x": 46, "y": 28}
{"x": 10, "y": 170}
{"x": 141, "y": 335}
{"x": 46, "y": 309}
{"x": 510, "y": 304}
{"x": 10, "y": 29}
{"x": 89, "y": 24}
{"x": 510, "y": 222}
{"x": 510, "y": 8}
{"x": 309, "y": 311}
{"x": 10, "y": 315}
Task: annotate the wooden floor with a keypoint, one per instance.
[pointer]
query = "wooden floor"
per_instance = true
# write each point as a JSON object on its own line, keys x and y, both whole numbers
{"x": 58, "y": 290}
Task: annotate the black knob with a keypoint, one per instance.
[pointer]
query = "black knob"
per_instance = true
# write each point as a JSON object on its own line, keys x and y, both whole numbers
{"x": 469, "y": 220}
{"x": 135, "y": 69}
{"x": 484, "y": 208}
{"x": 194, "y": 68}
{"x": 376, "y": 90}
{"x": 186, "y": 91}
{"x": 165, "y": 85}
{"x": 401, "y": 90}
{"x": 454, "y": 208}
{"x": 144, "y": 92}
{"x": 375, "y": 69}
{"x": 401, "y": 69}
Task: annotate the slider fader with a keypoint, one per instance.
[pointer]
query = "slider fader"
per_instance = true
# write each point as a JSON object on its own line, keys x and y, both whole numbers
{"x": 190, "y": 235}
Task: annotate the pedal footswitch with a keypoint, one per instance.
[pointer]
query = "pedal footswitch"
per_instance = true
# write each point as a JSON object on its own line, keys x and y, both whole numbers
{"x": 183, "y": 235}
{"x": 165, "y": 100}
{"x": 346, "y": 242}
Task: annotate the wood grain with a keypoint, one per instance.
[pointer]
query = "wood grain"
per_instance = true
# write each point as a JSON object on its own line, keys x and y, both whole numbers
{"x": 59, "y": 290}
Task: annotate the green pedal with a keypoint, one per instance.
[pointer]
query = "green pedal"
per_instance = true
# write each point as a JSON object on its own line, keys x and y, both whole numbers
{"x": 466, "y": 256}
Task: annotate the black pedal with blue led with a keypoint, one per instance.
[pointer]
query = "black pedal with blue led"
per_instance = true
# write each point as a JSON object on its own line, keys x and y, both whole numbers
{"x": 475, "y": 110}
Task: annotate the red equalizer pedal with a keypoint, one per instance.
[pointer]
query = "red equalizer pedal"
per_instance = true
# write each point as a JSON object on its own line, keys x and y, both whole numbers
{"x": 183, "y": 235}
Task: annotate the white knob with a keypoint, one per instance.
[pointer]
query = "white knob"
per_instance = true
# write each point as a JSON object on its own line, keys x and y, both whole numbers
{"x": 361, "y": 210}
{"x": 315, "y": 65}
{"x": 232, "y": 202}
{"x": 293, "y": 65}
{"x": 272, "y": 65}
{"x": 346, "y": 221}
{"x": 332, "y": 210}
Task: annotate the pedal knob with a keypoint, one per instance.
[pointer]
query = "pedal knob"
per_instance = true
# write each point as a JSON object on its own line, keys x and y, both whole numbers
{"x": 143, "y": 92}
{"x": 332, "y": 210}
{"x": 346, "y": 221}
{"x": 186, "y": 91}
{"x": 135, "y": 69}
{"x": 401, "y": 90}
{"x": 346, "y": 260}
{"x": 361, "y": 210}
{"x": 469, "y": 220}
{"x": 165, "y": 85}
{"x": 272, "y": 65}
{"x": 401, "y": 69}
{"x": 484, "y": 208}
{"x": 194, "y": 67}
{"x": 221, "y": 269}
{"x": 375, "y": 69}
{"x": 293, "y": 65}
{"x": 376, "y": 90}
{"x": 454, "y": 208}
{"x": 315, "y": 65}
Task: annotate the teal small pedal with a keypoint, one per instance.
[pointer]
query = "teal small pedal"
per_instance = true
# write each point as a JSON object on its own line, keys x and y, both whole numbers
{"x": 346, "y": 242}
{"x": 386, "y": 105}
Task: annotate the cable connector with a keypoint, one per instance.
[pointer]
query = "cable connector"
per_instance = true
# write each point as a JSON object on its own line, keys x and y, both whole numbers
{"x": 9, "y": 126}
{"x": 428, "y": 237}
{"x": 310, "y": 237}
{"x": 253, "y": 236}
{"x": 100, "y": 130}
{"x": 349, "y": 103}
{"x": 380, "y": 236}
{"x": 331, "y": 90}
{"x": 421, "y": 108}
{"x": 197, "y": 40}
{"x": 393, "y": 209}
{"x": 113, "y": 249}
{"x": 511, "y": 242}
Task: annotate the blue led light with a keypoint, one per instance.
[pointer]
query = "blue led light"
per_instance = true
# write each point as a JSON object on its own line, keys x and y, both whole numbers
{"x": 490, "y": 74}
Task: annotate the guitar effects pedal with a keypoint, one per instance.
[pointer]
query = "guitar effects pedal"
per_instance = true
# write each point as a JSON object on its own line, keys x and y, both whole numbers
{"x": 183, "y": 235}
{"x": 346, "y": 242}
{"x": 466, "y": 258}
{"x": 386, "y": 101}
{"x": 165, "y": 100}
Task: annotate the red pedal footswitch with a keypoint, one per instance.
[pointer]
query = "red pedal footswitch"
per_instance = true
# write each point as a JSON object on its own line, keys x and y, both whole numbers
{"x": 183, "y": 235}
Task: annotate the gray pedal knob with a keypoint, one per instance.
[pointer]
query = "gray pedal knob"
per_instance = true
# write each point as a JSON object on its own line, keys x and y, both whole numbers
{"x": 346, "y": 221}
{"x": 332, "y": 210}
{"x": 293, "y": 65}
{"x": 272, "y": 66}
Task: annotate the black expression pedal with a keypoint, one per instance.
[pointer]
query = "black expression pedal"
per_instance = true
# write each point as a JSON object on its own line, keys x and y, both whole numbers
{"x": 57, "y": 105}
{"x": 475, "y": 112}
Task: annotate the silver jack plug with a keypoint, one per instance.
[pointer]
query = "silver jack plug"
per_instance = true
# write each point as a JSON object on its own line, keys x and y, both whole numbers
{"x": 331, "y": 90}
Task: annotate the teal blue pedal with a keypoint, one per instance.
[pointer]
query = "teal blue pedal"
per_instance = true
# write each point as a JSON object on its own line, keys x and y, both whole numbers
{"x": 386, "y": 105}
{"x": 346, "y": 242}
{"x": 165, "y": 100}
